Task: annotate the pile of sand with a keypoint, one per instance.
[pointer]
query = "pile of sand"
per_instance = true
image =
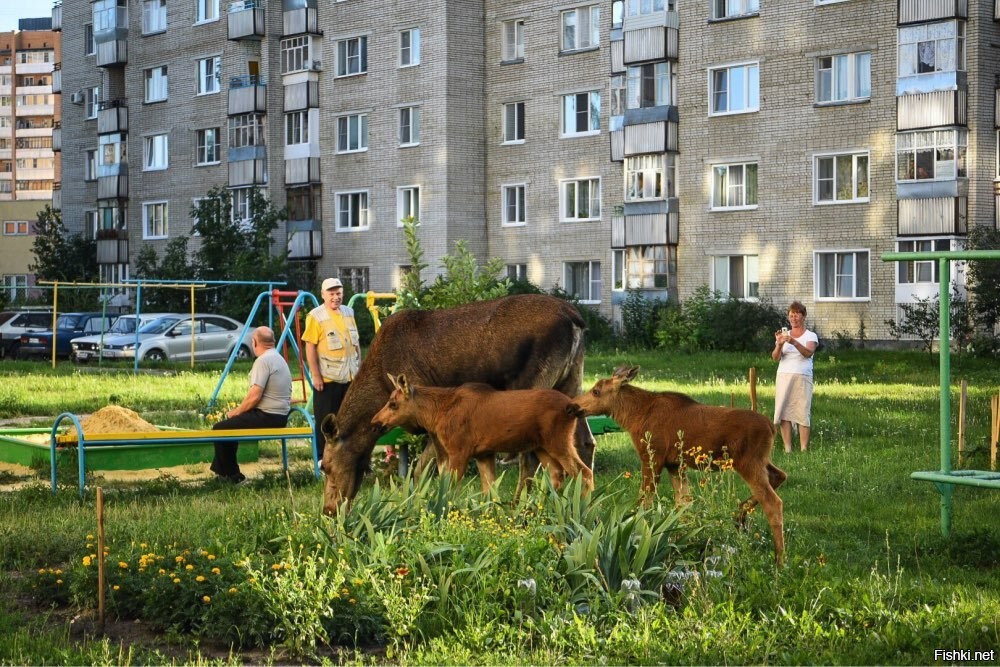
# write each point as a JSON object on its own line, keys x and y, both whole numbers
{"x": 113, "y": 419}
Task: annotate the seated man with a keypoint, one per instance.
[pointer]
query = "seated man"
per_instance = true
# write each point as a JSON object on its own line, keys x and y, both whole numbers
{"x": 266, "y": 404}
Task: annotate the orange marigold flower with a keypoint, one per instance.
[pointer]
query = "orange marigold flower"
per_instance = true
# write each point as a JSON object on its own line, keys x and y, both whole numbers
{"x": 402, "y": 571}
{"x": 123, "y": 565}
{"x": 627, "y": 475}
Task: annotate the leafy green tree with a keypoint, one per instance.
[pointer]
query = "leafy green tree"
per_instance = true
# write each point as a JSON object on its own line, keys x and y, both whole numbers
{"x": 175, "y": 266}
{"x": 64, "y": 257}
{"x": 984, "y": 277}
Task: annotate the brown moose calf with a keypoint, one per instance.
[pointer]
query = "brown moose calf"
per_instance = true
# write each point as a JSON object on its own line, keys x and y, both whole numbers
{"x": 476, "y": 421}
{"x": 668, "y": 428}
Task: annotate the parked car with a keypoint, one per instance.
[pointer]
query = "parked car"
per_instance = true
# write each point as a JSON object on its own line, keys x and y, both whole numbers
{"x": 85, "y": 348}
{"x": 13, "y": 323}
{"x": 68, "y": 327}
{"x": 169, "y": 339}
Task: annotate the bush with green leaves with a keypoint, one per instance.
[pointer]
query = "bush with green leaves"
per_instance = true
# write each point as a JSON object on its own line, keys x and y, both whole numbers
{"x": 639, "y": 319}
{"x": 710, "y": 321}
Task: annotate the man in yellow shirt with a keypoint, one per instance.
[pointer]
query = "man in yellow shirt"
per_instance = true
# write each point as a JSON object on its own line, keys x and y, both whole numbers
{"x": 332, "y": 352}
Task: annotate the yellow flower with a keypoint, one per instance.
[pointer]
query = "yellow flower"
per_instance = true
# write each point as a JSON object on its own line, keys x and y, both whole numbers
{"x": 353, "y": 601}
{"x": 276, "y": 566}
{"x": 189, "y": 567}
{"x": 41, "y": 570}
{"x": 206, "y": 599}
{"x": 142, "y": 545}
{"x": 162, "y": 571}
{"x": 90, "y": 537}
{"x": 178, "y": 559}
{"x": 199, "y": 578}
{"x": 87, "y": 561}
{"x": 627, "y": 475}
{"x": 115, "y": 587}
{"x": 211, "y": 557}
{"x": 216, "y": 570}
{"x": 123, "y": 565}
{"x": 233, "y": 589}
{"x": 177, "y": 580}
{"x": 58, "y": 582}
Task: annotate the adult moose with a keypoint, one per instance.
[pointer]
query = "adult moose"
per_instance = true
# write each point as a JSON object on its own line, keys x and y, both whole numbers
{"x": 515, "y": 342}
{"x": 668, "y": 428}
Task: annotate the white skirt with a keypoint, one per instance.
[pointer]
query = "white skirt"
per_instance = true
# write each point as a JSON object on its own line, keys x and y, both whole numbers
{"x": 793, "y": 394}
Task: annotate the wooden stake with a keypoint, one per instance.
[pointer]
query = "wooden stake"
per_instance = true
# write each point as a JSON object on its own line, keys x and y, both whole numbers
{"x": 962, "y": 398}
{"x": 753, "y": 388}
{"x": 995, "y": 429}
{"x": 100, "y": 558}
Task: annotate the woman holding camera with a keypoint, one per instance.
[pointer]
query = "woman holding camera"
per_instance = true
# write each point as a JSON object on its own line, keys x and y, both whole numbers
{"x": 793, "y": 389}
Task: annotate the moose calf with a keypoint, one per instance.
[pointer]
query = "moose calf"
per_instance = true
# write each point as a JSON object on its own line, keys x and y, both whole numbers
{"x": 476, "y": 421}
{"x": 668, "y": 428}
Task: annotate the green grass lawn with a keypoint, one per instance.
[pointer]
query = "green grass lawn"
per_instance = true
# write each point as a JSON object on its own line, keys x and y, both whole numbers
{"x": 438, "y": 577}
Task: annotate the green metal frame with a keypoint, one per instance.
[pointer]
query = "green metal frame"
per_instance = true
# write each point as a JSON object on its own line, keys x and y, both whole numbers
{"x": 945, "y": 479}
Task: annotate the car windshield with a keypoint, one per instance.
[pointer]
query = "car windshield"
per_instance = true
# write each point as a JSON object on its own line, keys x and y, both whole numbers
{"x": 123, "y": 325}
{"x": 67, "y": 321}
{"x": 158, "y": 326}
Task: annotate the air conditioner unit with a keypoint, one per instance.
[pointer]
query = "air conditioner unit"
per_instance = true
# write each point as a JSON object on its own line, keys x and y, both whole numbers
{"x": 316, "y": 65}
{"x": 79, "y": 97}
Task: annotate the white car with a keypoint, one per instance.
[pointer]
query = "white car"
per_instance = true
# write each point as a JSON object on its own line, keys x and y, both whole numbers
{"x": 85, "y": 348}
{"x": 170, "y": 339}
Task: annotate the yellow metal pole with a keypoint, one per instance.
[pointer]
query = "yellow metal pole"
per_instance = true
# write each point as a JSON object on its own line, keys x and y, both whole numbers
{"x": 192, "y": 327}
{"x": 55, "y": 315}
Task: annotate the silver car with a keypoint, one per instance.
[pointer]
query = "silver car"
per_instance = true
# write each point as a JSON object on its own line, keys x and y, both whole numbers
{"x": 85, "y": 348}
{"x": 171, "y": 338}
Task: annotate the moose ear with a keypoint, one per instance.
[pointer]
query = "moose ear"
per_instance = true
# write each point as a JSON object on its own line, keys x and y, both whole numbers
{"x": 405, "y": 386}
{"x": 631, "y": 373}
{"x": 329, "y": 428}
{"x": 392, "y": 379}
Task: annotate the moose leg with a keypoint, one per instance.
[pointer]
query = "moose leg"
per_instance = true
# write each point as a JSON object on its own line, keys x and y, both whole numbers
{"x": 757, "y": 479}
{"x": 573, "y": 466}
{"x": 527, "y": 466}
{"x": 776, "y": 477}
{"x": 678, "y": 479}
{"x": 487, "y": 471}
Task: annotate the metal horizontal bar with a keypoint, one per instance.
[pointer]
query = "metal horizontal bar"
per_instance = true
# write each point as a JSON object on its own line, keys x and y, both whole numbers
{"x": 960, "y": 478}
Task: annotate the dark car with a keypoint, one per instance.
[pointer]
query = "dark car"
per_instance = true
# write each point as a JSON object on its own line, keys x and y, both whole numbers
{"x": 68, "y": 327}
{"x": 14, "y": 323}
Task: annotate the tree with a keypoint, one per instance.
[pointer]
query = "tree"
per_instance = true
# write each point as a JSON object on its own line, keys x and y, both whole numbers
{"x": 984, "y": 277}
{"x": 175, "y": 266}
{"x": 59, "y": 256}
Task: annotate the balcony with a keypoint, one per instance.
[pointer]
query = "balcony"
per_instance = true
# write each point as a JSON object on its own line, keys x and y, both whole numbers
{"x": 935, "y": 109}
{"x": 618, "y": 55}
{"x": 57, "y": 78}
{"x": 932, "y": 216}
{"x": 917, "y": 11}
{"x": 305, "y": 239}
{"x": 617, "y": 145}
{"x": 299, "y": 21}
{"x": 246, "y": 19}
{"x": 112, "y": 116}
{"x": 112, "y": 246}
{"x": 113, "y": 53}
{"x": 650, "y": 37}
{"x": 247, "y": 94}
{"x": 57, "y": 16}
{"x": 248, "y": 171}
{"x": 57, "y": 136}
{"x": 650, "y": 137}
{"x": 113, "y": 185}
{"x": 655, "y": 223}
{"x": 111, "y": 37}
{"x": 300, "y": 171}
{"x": 302, "y": 95}
{"x": 57, "y": 196}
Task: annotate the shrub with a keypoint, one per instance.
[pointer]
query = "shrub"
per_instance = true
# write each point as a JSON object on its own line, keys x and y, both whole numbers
{"x": 639, "y": 315}
{"x": 709, "y": 321}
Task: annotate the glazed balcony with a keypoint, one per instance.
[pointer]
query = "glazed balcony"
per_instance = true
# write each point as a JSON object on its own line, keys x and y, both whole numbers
{"x": 57, "y": 196}
{"x": 57, "y": 78}
{"x": 112, "y": 246}
{"x": 57, "y": 136}
{"x": 57, "y": 16}
{"x": 247, "y": 94}
{"x": 918, "y": 11}
{"x": 305, "y": 239}
{"x": 246, "y": 19}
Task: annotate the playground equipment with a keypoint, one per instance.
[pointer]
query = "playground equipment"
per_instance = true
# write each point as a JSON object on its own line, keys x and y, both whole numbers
{"x": 946, "y": 478}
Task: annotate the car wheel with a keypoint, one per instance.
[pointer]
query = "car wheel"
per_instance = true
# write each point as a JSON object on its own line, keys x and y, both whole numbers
{"x": 155, "y": 355}
{"x": 244, "y": 353}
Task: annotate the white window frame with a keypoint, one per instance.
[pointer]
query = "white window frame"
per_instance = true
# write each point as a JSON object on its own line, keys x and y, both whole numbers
{"x": 860, "y": 188}
{"x": 296, "y": 53}
{"x": 155, "y": 220}
{"x": 409, "y": 126}
{"x": 513, "y": 211}
{"x": 203, "y": 149}
{"x": 645, "y": 267}
{"x": 663, "y": 85}
{"x": 241, "y": 200}
{"x": 922, "y": 272}
{"x": 749, "y": 289}
{"x": 91, "y": 223}
{"x": 647, "y": 7}
{"x": 933, "y": 145}
{"x": 357, "y": 218}
{"x": 736, "y": 195}
{"x": 948, "y": 50}
{"x": 840, "y": 274}
{"x": 155, "y": 84}
{"x": 512, "y": 37}
{"x": 513, "y": 123}
{"x": 408, "y": 201}
{"x": 89, "y": 43}
{"x": 844, "y": 78}
{"x": 650, "y": 177}
{"x": 352, "y": 64}
{"x": 571, "y": 38}
{"x": 206, "y": 11}
{"x": 570, "y": 188}
{"x": 16, "y": 227}
{"x": 92, "y": 102}
{"x": 209, "y": 75}
{"x": 593, "y": 286}
{"x": 748, "y": 83}
{"x": 13, "y": 282}
{"x": 154, "y": 16}
{"x": 729, "y": 9}
{"x": 90, "y": 165}
{"x": 155, "y": 152}
{"x": 352, "y": 133}
{"x": 571, "y": 115}
{"x": 517, "y": 272}
{"x": 409, "y": 47}
{"x": 297, "y": 127}
{"x": 617, "y": 269}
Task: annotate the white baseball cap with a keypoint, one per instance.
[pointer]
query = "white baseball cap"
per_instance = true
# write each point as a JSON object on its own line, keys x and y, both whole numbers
{"x": 331, "y": 283}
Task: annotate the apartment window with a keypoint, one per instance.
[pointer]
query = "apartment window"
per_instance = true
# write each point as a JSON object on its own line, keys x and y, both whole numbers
{"x": 92, "y": 100}
{"x": 650, "y": 85}
{"x": 618, "y": 90}
{"x": 154, "y": 16}
{"x": 841, "y": 178}
{"x": 208, "y": 146}
{"x": 513, "y": 123}
{"x": 931, "y": 155}
{"x": 734, "y": 89}
{"x": 108, "y": 15}
{"x": 932, "y": 47}
{"x": 842, "y": 275}
{"x": 649, "y": 177}
{"x": 513, "y": 197}
{"x": 923, "y": 271}
{"x": 295, "y": 54}
{"x": 15, "y": 285}
{"x": 352, "y": 56}
{"x": 352, "y": 133}
{"x": 305, "y": 203}
{"x": 580, "y": 200}
{"x": 352, "y": 211}
{"x": 408, "y": 202}
{"x": 90, "y": 224}
{"x": 583, "y": 281}
{"x": 517, "y": 272}
{"x": 154, "y": 220}
{"x": 207, "y": 10}
{"x": 355, "y": 277}
{"x": 156, "y": 84}
{"x": 246, "y": 130}
{"x": 646, "y": 7}
{"x": 736, "y": 276}
{"x": 89, "y": 45}
{"x": 581, "y": 28}
{"x": 734, "y": 185}
{"x": 513, "y": 40}
{"x": 242, "y": 198}
{"x": 617, "y": 270}
{"x": 90, "y": 165}
{"x": 643, "y": 267}
{"x": 581, "y": 114}
{"x": 16, "y": 227}
{"x": 409, "y": 47}
{"x": 409, "y": 126}
{"x": 154, "y": 152}
{"x": 844, "y": 78}
{"x": 209, "y": 75}
{"x": 297, "y": 127}
{"x": 725, "y": 9}
{"x": 111, "y": 154}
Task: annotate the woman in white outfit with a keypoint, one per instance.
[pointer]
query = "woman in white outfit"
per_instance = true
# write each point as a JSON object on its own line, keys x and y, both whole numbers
{"x": 793, "y": 390}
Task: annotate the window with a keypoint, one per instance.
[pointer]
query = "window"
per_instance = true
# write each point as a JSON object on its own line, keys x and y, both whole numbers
{"x": 513, "y": 197}
{"x": 207, "y": 10}
{"x": 305, "y": 203}
{"x": 844, "y": 78}
{"x": 209, "y": 75}
{"x": 409, "y": 126}
{"x": 644, "y": 267}
{"x": 734, "y": 185}
{"x": 734, "y": 89}
{"x": 297, "y": 127}
{"x": 154, "y": 16}
{"x": 246, "y": 130}
{"x": 352, "y": 56}
{"x": 111, "y": 154}
{"x": 295, "y": 54}
{"x": 156, "y": 84}
{"x": 92, "y": 100}
{"x": 513, "y": 40}
{"x": 352, "y": 133}
{"x": 208, "y": 146}
{"x": 517, "y": 272}
{"x": 89, "y": 45}
{"x": 154, "y": 220}
{"x": 931, "y": 155}
{"x": 724, "y": 9}
{"x": 842, "y": 275}
{"x": 736, "y": 276}
{"x": 841, "y": 178}
{"x": 580, "y": 200}
{"x": 650, "y": 85}
{"x": 90, "y": 165}
{"x": 90, "y": 224}
{"x": 409, "y": 47}
{"x": 924, "y": 271}
{"x": 154, "y": 152}
{"x": 15, "y": 286}
{"x": 352, "y": 211}
{"x": 618, "y": 89}
{"x": 646, "y": 7}
{"x": 242, "y": 197}
{"x": 583, "y": 280}
{"x": 932, "y": 47}
{"x": 581, "y": 114}
{"x": 109, "y": 15}
{"x": 16, "y": 227}
{"x": 581, "y": 28}
{"x": 650, "y": 177}
{"x": 408, "y": 202}
{"x": 355, "y": 277}
{"x": 513, "y": 123}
